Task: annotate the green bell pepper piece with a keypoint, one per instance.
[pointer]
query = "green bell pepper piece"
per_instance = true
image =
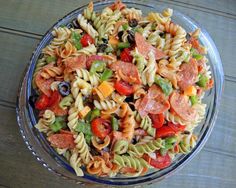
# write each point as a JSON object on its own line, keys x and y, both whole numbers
{"x": 165, "y": 85}
{"x": 114, "y": 123}
{"x": 193, "y": 99}
{"x": 97, "y": 66}
{"x": 58, "y": 124}
{"x": 125, "y": 26}
{"x": 106, "y": 74}
{"x": 50, "y": 59}
{"x": 202, "y": 81}
{"x": 122, "y": 45}
{"x": 92, "y": 114}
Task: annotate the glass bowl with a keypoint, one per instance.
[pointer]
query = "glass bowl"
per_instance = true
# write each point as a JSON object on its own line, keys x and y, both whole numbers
{"x": 45, "y": 154}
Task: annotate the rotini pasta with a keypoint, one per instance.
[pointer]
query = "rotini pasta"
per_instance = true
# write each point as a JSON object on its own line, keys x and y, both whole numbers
{"x": 119, "y": 91}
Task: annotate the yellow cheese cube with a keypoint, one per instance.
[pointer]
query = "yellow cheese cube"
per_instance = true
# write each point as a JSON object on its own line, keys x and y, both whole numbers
{"x": 84, "y": 112}
{"x": 105, "y": 88}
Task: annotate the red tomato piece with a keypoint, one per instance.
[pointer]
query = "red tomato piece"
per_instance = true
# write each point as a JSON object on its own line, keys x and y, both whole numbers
{"x": 117, "y": 5}
{"x": 176, "y": 127}
{"x": 62, "y": 141}
{"x": 42, "y": 102}
{"x": 100, "y": 127}
{"x": 161, "y": 161}
{"x": 54, "y": 104}
{"x": 157, "y": 120}
{"x": 126, "y": 56}
{"x": 124, "y": 88}
{"x": 55, "y": 98}
{"x": 164, "y": 131}
{"x": 147, "y": 158}
{"x": 86, "y": 40}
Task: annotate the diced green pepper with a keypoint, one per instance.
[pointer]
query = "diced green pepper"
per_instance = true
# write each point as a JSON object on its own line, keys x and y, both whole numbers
{"x": 109, "y": 49}
{"x": 170, "y": 140}
{"x": 197, "y": 56}
{"x": 106, "y": 74}
{"x": 193, "y": 99}
{"x": 50, "y": 59}
{"x": 97, "y": 66}
{"x": 92, "y": 114}
{"x": 84, "y": 128}
{"x": 125, "y": 26}
{"x": 58, "y": 124}
{"x": 202, "y": 81}
{"x": 114, "y": 123}
{"x": 165, "y": 85}
{"x": 122, "y": 45}
{"x": 76, "y": 39}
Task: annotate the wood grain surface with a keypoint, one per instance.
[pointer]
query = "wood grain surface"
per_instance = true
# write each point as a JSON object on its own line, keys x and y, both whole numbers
{"x": 22, "y": 24}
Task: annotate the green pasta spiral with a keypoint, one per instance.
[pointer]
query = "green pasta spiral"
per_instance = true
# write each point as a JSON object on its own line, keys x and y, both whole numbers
{"x": 149, "y": 147}
{"x": 121, "y": 146}
{"x": 146, "y": 124}
{"x": 128, "y": 161}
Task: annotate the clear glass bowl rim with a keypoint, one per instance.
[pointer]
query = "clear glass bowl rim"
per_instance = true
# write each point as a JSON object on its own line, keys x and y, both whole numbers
{"x": 23, "y": 114}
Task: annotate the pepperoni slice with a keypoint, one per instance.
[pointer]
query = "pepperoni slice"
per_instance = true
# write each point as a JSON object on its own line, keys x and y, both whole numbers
{"x": 74, "y": 63}
{"x": 44, "y": 84}
{"x": 62, "y": 141}
{"x": 180, "y": 104}
{"x": 188, "y": 74}
{"x": 129, "y": 71}
{"x": 144, "y": 47}
{"x": 92, "y": 58}
{"x": 154, "y": 102}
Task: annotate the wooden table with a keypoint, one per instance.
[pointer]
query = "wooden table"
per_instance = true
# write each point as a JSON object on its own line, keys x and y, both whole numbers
{"x": 22, "y": 24}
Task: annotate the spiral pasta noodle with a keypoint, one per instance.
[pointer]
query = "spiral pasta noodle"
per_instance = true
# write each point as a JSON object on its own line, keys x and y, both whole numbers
{"x": 146, "y": 124}
{"x": 86, "y": 26}
{"x": 44, "y": 122}
{"x": 149, "y": 147}
{"x": 114, "y": 88}
{"x": 85, "y": 75}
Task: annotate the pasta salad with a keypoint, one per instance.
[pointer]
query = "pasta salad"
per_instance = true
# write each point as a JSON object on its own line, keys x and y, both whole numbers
{"x": 119, "y": 92}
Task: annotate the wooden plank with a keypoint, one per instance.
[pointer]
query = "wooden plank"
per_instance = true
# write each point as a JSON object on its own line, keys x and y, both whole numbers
{"x": 16, "y": 161}
{"x": 220, "y": 28}
{"x": 227, "y": 6}
{"x": 17, "y": 51}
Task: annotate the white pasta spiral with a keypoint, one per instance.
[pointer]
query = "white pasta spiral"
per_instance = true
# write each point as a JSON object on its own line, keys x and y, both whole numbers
{"x": 85, "y": 75}
{"x": 149, "y": 72}
{"x": 105, "y": 105}
{"x": 86, "y": 26}
{"x": 44, "y": 122}
{"x": 75, "y": 162}
{"x": 83, "y": 148}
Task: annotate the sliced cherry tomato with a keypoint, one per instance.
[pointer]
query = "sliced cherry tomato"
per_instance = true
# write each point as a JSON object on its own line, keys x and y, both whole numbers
{"x": 157, "y": 120}
{"x": 164, "y": 131}
{"x": 86, "y": 40}
{"x": 147, "y": 158}
{"x": 161, "y": 161}
{"x": 124, "y": 88}
{"x": 126, "y": 56}
{"x": 100, "y": 127}
{"x": 42, "y": 102}
{"x": 176, "y": 127}
{"x": 62, "y": 141}
{"x": 55, "y": 98}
